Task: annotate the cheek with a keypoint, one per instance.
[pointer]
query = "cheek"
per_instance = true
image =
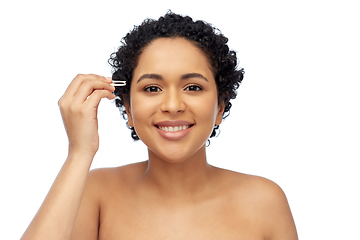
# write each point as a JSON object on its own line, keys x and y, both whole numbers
{"x": 142, "y": 109}
{"x": 206, "y": 109}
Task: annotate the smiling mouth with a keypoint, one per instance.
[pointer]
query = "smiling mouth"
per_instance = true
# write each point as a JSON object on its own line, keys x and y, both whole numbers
{"x": 174, "y": 128}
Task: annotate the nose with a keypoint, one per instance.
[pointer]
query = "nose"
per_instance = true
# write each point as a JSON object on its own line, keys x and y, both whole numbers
{"x": 172, "y": 102}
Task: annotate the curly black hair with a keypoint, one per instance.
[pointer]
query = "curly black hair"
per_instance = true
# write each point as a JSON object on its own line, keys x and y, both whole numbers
{"x": 207, "y": 38}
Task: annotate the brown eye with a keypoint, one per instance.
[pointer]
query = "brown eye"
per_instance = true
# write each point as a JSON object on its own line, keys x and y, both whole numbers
{"x": 193, "y": 88}
{"x": 152, "y": 89}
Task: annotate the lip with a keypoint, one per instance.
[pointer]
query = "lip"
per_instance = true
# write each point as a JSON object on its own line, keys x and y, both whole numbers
{"x": 174, "y": 135}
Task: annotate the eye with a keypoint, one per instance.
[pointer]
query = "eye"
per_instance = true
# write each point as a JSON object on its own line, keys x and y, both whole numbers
{"x": 152, "y": 88}
{"x": 193, "y": 87}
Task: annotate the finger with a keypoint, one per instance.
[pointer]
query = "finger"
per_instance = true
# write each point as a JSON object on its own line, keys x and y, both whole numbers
{"x": 95, "y": 98}
{"x": 78, "y": 81}
{"x": 88, "y": 87}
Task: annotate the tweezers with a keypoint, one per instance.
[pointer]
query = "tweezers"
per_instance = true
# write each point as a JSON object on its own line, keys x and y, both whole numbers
{"x": 116, "y": 83}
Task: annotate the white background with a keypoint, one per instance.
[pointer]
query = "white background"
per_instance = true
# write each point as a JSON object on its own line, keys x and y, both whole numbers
{"x": 295, "y": 121}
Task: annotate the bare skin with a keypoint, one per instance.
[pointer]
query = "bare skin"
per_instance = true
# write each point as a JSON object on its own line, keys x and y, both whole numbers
{"x": 231, "y": 206}
{"x": 175, "y": 194}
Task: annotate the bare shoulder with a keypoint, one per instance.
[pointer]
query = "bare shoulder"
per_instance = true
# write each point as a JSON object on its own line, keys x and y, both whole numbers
{"x": 259, "y": 189}
{"x": 263, "y": 201}
{"x": 102, "y": 186}
{"x": 109, "y": 182}
{"x": 255, "y": 187}
{"x": 124, "y": 174}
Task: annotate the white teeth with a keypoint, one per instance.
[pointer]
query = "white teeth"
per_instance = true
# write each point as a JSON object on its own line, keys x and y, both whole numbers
{"x": 173, "y": 129}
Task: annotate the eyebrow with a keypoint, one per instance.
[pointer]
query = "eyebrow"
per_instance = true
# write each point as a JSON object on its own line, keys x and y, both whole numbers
{"x": 183, "y": 77}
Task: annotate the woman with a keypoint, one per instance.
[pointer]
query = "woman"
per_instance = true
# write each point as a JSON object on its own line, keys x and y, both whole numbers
{"x": 180, "y": 77}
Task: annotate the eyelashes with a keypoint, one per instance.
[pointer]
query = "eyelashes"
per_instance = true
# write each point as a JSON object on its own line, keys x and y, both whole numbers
{"x": 152, "y": 88}
{"x": 190, "y": 87}
{"x": 193, "y": 87}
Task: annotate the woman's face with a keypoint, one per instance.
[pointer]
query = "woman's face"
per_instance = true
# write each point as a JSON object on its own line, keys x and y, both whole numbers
{"x": 173, "y": 99}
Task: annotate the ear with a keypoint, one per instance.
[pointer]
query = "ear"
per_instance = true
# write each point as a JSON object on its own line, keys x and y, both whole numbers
{"x": 128, "y": 113}
{"x": 221, "y": 108}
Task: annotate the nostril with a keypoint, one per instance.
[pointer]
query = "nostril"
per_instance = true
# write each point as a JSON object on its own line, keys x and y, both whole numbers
{"x": 172, "y": 103}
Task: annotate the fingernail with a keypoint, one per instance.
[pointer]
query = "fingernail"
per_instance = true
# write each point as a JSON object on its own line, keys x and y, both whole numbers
{"x": 108, "y": 79}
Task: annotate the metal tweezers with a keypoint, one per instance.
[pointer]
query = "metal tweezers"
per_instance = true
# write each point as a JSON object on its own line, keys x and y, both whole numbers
{"x": 116, "y": 83}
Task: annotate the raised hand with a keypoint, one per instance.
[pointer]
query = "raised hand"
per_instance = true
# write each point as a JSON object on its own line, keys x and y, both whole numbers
{"x": 79, "y": 106}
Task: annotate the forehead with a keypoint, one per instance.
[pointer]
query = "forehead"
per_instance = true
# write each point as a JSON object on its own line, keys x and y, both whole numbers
{"x": 172, "y": 54}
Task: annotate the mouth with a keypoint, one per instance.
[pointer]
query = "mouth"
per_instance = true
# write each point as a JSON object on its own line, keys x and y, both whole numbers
{"x": 174, "y": 128}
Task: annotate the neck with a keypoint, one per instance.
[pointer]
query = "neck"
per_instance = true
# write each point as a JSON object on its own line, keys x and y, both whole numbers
{"x": 180, "y": 179}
